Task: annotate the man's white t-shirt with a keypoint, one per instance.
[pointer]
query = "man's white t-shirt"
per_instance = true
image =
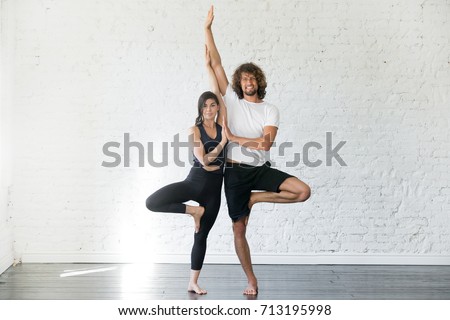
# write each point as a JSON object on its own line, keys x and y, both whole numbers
{"x": 248, "y": 119}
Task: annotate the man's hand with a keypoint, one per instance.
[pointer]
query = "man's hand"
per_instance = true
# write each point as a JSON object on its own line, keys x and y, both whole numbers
{"x": 209, "y": 18}
{"x": 263, "y": 143}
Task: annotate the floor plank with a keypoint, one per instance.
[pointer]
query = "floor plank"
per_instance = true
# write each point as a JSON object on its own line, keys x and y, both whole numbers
{"x": 224, "y": 282}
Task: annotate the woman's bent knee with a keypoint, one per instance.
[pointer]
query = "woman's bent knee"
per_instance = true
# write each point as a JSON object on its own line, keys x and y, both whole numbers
{"x": 150, "y": 204}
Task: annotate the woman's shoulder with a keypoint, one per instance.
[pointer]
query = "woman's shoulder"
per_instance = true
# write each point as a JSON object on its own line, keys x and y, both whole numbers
{"x": 194, "y": 129}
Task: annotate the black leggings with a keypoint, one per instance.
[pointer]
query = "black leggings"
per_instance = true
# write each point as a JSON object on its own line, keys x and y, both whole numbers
{"x": 202, "y": 187}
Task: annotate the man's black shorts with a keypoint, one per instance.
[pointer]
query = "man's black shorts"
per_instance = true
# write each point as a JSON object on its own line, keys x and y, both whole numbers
{"x": 241, "y": 179}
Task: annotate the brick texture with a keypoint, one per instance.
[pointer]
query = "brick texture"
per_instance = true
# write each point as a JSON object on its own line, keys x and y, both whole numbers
{"x": 375, "y": 74}
{"x": 7, "y": 40}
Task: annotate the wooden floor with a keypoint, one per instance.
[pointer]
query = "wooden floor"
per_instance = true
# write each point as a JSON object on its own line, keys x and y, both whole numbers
{"x": 224, "y": 282}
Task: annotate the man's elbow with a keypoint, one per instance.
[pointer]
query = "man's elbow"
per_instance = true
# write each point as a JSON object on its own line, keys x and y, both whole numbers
{"x": 266, "y": 146}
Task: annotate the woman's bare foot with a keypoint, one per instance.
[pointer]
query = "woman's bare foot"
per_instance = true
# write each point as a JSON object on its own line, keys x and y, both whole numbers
{"x": 252, "y": 200}
{"x": 197, "y": 213}
{"x": 193, "y": 287}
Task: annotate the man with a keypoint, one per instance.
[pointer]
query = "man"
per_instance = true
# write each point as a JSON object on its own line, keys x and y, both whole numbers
{"x": 253, "y": 126}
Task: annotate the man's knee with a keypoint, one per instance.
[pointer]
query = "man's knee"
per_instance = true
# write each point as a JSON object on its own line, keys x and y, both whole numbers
{"x": 239, "y": 228}
{"x": 304, "y": 194}
{"x": 300, "y": 191}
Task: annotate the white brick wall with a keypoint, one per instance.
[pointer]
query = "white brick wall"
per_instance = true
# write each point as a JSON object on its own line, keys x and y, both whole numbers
{"x": 6, "y": 240}
{"x": 374, "y": 73}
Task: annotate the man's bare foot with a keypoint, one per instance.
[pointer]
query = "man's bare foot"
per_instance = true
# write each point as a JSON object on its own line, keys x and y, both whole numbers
{"x": 251, "y": 290}
{"x": 197, "y": 214}
{"x": 193, "y": 287}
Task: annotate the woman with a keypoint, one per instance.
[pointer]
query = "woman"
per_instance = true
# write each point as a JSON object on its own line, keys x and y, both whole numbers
{"x": 203, "y": 184}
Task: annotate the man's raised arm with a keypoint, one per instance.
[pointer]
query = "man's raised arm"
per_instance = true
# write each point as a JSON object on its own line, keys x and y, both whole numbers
{"x": 216, "y": 61}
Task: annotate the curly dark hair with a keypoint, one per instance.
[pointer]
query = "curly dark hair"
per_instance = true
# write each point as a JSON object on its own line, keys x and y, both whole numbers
{"x": 254, "y": 70}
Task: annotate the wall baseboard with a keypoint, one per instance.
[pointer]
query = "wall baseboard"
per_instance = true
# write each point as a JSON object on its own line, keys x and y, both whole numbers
{"x": 214, "y": 258}
{"x": 6, "y": 262}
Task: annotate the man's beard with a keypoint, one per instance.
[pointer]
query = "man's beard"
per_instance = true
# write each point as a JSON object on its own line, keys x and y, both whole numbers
{"x": 251, "y": 93}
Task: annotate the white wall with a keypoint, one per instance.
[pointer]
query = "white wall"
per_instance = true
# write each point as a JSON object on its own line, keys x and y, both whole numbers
{"x": 374, "y": 73}
{"x": 6, "y": 240}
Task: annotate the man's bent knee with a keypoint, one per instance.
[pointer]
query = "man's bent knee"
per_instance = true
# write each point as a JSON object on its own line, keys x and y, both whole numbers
{"x": 304, "y": 194}
{"x": 300, "y": 190}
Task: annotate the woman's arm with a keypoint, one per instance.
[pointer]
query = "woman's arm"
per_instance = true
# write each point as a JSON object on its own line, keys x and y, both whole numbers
{"x": 199, "y": 151}
{"x": 215, "y": 88}
{"x": 216, "y": 61}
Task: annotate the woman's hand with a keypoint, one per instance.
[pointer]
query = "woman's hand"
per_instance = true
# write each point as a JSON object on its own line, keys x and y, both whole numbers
{"x": 225, "y": 128}
{"x": 209, "y": 18}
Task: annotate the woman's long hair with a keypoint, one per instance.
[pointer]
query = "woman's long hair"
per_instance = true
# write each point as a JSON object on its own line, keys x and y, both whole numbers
{"x": 201, "y": 104}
